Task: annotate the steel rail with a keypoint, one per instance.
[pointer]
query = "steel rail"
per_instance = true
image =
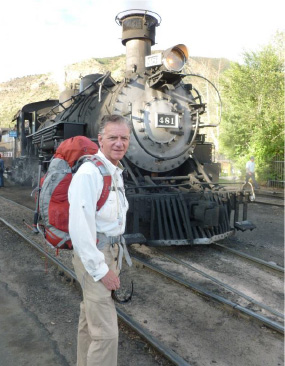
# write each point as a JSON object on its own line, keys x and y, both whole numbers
{"x": 16, "y": 203}
{"x": 167, "y": 352}
{"x": 251, "y": 258}
{"x": 220, "y": 283}
{"x": 268, "y": 203}
{"x": 143, "y": 333}
{"x": 270, "y": 194}
{"x": 264, "y": 320}
{"x": 55, "y": 261}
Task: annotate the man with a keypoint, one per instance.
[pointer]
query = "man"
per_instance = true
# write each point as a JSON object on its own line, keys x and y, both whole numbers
{"x": 250, "y": 172}
{"x": 1, "y": 171}
{"x": 92, "y": 233}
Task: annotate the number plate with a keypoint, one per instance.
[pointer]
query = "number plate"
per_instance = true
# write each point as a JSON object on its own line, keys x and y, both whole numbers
{"x": 166, "y": 120}
{"x": 153, "y": 60}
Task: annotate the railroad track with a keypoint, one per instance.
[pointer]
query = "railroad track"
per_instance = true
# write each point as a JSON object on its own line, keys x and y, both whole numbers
{"x": 251, "y": 258}
{"x": 150, "y": 337}
{"x": 143, "y": 333}
{"x": 270, "y": 199}
{"x": 230, "y": 288}
{"x": 269, "y": 203}
{"x": 276, "y": 325}
{"x": 235, "y": 306}
{"x": 165, "y": 351}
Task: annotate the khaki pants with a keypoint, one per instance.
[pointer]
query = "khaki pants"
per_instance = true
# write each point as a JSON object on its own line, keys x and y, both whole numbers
{"x": 98, "y": 324}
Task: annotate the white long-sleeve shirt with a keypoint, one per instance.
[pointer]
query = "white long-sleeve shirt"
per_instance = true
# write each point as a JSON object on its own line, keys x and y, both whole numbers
{"x": 85, "y": 221}
{"x": 250, "y": 166}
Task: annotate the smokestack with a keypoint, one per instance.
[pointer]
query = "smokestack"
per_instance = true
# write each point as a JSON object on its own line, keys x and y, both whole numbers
{"x": 138, "y": 35}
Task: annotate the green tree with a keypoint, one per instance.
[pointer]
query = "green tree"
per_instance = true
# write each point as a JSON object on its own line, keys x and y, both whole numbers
{"x": 253, "y": 117}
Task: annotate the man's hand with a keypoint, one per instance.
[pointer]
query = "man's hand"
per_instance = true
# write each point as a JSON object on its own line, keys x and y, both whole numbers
{"x": 111, "y": 281}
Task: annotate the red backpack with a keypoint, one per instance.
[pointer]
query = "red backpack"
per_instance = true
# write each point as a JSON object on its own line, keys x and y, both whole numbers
{"x": 53, "y": 196}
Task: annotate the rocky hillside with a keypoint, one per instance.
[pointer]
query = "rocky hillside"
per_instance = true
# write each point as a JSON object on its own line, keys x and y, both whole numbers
{"x": 20, "y": 91}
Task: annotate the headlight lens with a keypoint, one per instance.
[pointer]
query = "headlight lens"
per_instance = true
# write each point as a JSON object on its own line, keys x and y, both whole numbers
{"x": 175, "y": 58}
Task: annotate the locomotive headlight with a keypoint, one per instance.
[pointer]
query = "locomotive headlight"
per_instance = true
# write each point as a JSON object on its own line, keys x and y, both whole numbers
{"x": 174, "y": 58}
{"x": 167, "y": 66}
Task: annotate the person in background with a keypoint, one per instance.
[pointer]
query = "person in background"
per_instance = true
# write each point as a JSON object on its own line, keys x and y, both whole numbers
{"x": 250, "y": 172}
{"x": 98, "y": 244}
{"x": 1, "y": 171}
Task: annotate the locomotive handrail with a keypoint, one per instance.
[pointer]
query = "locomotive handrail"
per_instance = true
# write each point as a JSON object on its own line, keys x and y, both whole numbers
{"x": 73, "y": 97}
{"x": 171, "y": 185}
{"x": 125, "y": 163}
{"x": 203, "y": 77}
{"x": 91, "y": 93}
{"x": 101, "y": 85}
{"x": 81, "y": 93}
{"x": 198, "y": 95}
{"x": 125, "y": 13}
{"x": 196, "y": 128}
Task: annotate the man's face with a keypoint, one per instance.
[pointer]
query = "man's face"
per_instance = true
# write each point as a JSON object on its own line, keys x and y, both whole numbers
{"x": 114, "y": 142}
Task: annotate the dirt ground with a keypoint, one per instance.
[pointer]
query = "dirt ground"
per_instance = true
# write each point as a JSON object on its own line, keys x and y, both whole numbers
{"x": 40, "y": 310}
{"x": 201, "y": 331}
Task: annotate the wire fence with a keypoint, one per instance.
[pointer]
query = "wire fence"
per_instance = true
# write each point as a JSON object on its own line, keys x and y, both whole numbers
{"x": 277, "y": 180}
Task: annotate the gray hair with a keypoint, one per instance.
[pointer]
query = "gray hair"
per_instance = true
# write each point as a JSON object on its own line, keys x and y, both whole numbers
{"x": 113, "y": 118}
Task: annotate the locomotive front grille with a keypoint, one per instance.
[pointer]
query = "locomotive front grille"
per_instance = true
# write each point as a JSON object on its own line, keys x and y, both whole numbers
{"x": 182, "y": 219}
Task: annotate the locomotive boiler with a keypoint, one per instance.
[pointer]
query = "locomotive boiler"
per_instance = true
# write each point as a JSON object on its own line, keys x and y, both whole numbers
{"x": 171, "y": 186}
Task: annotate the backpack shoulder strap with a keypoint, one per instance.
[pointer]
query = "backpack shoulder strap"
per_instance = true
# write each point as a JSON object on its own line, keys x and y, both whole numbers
{"x": 107, "y": 179}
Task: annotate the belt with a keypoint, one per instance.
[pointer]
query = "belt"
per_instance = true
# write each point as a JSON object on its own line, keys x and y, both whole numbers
{"x": 119, "y": 240}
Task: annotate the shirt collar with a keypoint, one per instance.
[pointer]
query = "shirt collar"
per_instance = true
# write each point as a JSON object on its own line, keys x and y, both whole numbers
{"x": 111, "y": 167}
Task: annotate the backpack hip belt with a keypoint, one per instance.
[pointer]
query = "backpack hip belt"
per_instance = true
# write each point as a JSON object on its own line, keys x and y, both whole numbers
{"x": 112, "y": 241}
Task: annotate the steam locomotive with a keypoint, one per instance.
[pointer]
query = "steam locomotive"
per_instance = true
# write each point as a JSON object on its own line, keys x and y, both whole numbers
{"x": 170, "y": 183}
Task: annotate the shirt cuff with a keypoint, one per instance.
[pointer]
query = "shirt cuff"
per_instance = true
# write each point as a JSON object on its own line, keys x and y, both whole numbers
{"x": 101, "y": 272}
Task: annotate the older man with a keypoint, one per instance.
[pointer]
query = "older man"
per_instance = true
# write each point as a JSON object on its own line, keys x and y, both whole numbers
{"x": 93, "y": 234}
